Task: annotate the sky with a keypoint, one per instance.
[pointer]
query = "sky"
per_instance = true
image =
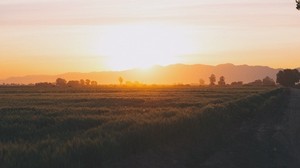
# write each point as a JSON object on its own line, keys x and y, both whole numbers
{"x": 58, "y": 36}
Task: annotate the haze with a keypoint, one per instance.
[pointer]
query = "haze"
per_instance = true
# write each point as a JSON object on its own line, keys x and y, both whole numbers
{"x": 52, "y": 37}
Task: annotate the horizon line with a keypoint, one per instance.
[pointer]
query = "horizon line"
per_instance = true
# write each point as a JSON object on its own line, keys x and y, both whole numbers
{"x": 130, "y": 69}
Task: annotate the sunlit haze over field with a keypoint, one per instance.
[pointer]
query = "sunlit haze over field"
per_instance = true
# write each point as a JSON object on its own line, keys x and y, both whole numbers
{"x": 58, "y": 36}
{"x": 149, "y": 83}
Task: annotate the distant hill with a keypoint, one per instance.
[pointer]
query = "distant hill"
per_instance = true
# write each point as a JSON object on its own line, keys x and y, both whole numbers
{"x": 172, "y": 74}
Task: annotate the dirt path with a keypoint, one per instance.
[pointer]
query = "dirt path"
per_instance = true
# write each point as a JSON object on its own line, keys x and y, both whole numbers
{"x": 293, "y": 124}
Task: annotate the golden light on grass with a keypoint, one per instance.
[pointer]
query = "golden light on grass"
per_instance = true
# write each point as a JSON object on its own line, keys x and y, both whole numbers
{"x": 144, "y": 45}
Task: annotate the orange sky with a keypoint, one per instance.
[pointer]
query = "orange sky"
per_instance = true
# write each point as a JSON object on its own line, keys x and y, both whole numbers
{"x": 57, "y": 36}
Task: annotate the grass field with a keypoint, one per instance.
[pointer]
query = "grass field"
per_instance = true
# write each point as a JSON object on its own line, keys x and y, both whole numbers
{"x": 101, "y": 127}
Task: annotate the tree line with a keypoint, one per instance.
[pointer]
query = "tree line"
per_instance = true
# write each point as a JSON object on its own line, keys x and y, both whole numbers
{"x": 286, "y": 78}
{"x": 267, "y": 81}
{"x": 60, "y": 82}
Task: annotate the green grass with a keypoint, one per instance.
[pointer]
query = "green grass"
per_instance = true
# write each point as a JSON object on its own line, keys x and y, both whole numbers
{"x": 96, "y": 127}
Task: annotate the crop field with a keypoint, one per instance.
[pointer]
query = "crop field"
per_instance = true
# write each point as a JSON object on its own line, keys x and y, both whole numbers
{"x": 108, "y": 126}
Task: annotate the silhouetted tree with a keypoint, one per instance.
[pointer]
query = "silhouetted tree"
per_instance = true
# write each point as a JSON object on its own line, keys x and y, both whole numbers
{"x": 82, "y": 82}
{"x": 73, "y": 83}
{"x": 212, "y": 79}
{"x": 239, "y": 83}
{"x": 61, "y": 82}
{"x": 222, "y": 81}
{"x": 288, "y": 77}
{"x": 44, "y": 84}
{"x": 94, "y": 83}
{"x": 120, "y": 79}
{"x": 257, "y": 82}
{"x": 87, "y": 82}
{"x": 267, "y": 81}
{"x": 201, "y": 82}
{"x": 298, "y": 4}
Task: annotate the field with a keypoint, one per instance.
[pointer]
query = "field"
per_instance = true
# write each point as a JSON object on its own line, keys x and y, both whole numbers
{"x": 122, "y": 127}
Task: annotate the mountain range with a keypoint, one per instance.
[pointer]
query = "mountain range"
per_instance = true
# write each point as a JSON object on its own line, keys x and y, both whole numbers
{"x": 171, "y": 74}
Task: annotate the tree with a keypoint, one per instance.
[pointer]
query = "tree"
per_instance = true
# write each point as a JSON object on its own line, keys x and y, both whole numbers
{"x": 44, "y": 84}
{"x": 288, "y": 77}
{"x": 222, "y": 81}
{"x": 87, "y": 82}
{"x": 120, "y": 80}
{"x": 212, "y": 79}
{"x": 257, "y": 82}
{"x": 94, "y": 83}
{"x": 201, "y": 82}
{"x": 73, "y": 83}
{"x": 267, "y": 81}
{"x": 239, "y": 83}
{"x": 61, "y": 82}
{"x": 82, "y": 82}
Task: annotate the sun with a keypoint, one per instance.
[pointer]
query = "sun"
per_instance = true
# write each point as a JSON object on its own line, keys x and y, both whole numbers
{"x": 144, "y": 45}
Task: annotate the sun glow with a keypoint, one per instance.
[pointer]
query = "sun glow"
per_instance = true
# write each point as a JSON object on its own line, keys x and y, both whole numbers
{"x": 144, "y": 45}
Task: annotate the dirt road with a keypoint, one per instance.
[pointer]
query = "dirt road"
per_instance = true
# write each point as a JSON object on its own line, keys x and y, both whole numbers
{"x": 293, "y": 124}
